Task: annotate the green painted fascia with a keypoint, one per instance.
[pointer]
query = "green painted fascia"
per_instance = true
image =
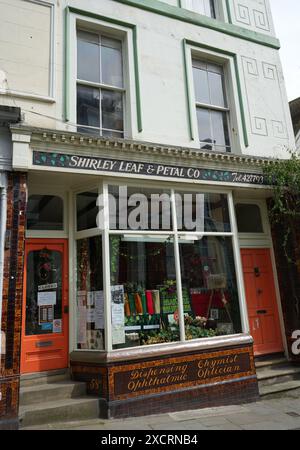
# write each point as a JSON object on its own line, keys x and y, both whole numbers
{"x": 238, "y": 80}
{"x": 184, "y": 15}
{"x": 92, "y": 15}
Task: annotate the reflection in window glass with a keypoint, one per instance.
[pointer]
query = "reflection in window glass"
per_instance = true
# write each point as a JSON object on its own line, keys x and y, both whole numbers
{"x": 248, "y": 218}
{"x": 88, "y": 57}
{"x": 206, "y": 211}
{"x": 45, "y": 212}
{"x": 87, "y": 210}
{"x": 90, "y": 298}
{"x": 112, "y": 113}
{"x": 88, "y": 107}
{"x": 208, "y": 277}
{"x": 144, "y": 296}
{"x": 111, "y": 62}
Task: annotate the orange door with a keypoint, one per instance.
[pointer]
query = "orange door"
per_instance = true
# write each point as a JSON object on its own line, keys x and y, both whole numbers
{"x": 261, "y": 301}
{"x": 45, "y": 306}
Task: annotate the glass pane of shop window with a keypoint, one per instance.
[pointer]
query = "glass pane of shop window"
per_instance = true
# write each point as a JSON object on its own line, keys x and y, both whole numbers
{"x": 143, "y": 291}
{"x": 45, "y": 212}
{"x": 89, "y": 294}
{"x": 248, "y": 218}
{"x": 87, "y": 210}
{"x": 202, "y": 212}
{"x": 209, "y": 284}
{"x": 137, "y": 208}
{"x": 43, "y": 291}
{"x": 88, "y": 56}
{"x": 111, "y": 62}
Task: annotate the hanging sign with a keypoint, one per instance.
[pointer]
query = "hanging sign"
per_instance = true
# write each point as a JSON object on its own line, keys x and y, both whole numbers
{"x": 120, "y": 166}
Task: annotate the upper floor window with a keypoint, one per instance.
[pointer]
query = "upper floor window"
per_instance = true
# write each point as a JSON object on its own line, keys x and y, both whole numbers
{"x": 211, "y": 106}
{"x": 100, "y": 85}
{"x": 205, "y": 7}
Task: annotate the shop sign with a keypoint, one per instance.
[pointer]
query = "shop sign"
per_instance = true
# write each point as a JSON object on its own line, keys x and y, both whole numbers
{"x": 181, "y": 372}
{"x": 93, "y": 164}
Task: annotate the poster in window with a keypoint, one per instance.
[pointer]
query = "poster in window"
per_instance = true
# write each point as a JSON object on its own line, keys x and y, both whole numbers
{"x": 118, "y": 315}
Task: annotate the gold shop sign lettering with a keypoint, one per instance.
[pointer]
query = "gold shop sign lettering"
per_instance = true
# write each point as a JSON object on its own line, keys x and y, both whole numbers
{"x": 171, "y": 374}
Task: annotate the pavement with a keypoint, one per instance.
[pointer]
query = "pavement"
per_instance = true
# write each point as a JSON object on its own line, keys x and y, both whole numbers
{"x": 281, "y": 413}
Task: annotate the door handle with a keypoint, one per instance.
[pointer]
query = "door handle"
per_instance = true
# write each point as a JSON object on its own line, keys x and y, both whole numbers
{"x": 259, "y": 291}
{"x": 256, "y": 272}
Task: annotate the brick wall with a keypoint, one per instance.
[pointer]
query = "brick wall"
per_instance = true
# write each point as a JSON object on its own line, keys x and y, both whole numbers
{"x": 11, "y": 320}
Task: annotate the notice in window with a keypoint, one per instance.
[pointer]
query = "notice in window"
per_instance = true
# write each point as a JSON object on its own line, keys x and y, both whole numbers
{"x": 46, "y": 298}
{"x": 118, "y": 316}
{"x": 99, "y": 310}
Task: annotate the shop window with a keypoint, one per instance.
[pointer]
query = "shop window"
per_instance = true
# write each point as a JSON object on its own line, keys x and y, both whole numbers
{"x": 45, "y": 213}
{"x": 205, "y": 7}
{"x": 87, "y": 210}
{"x": 248, "y": 218}
{"x": 137, "y": 208}
{"x": 202, "y": 212}
{"x": 211, "y": 106}
{"x": 90, "y": 298}
{"x": 143, "y": 291}
{"x": 100, "y": 85}
{"x": 209, "y": 282}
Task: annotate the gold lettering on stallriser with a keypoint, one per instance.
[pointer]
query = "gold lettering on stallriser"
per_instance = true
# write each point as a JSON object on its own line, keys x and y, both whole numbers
{"x": 207, "y": 368}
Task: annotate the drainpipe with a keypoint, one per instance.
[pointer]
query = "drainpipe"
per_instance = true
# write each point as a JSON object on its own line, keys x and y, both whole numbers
{"x": 3, "y": 212}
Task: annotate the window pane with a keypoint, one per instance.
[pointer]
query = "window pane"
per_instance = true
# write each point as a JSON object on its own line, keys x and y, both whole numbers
{"x": 198, "y": 212}
{"x": 204, "y": 128}
{"x": 201, "y": 86}
{"x": 248, "y": 218}
{"x": 216, "y": 89}
{"x": 111, "y": 62}
{"x": 139, "y": 208}
{"x": 205, "y": 7}
{"x": 88, "y": 106}
{"x": 220, "y": 130}
{"x": 88, "y": 57}
{"x": 209, "y": 282}
{"x": 112, "y": 110}
{"x": 45, "y": 212}
{"x": 44, "y": 271}
{"x": 144, "y": 297}
{"x": 90, "y": 298}
{"x": 87, "y": 210}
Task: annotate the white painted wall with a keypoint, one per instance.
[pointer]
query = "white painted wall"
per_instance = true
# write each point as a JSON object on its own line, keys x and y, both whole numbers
{"x": 163, "y": 93}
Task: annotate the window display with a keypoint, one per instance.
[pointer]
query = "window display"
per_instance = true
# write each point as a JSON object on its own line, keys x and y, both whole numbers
{"x": 143, "y": 281}
{"x": 90, "y": 298}
{"x": 208, "y": 275}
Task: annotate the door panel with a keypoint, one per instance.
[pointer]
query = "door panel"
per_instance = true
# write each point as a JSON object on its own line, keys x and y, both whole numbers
{"x": 45, "y": 306}
{"x": 261, "y": 301}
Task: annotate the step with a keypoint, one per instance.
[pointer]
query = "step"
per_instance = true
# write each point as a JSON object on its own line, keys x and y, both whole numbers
{"x": 277, "y": 389}
{"x": 260, "y": 364}
{"x": 49, "y": 392}
{"x": 59, "y": 411}
{"x": 34, "y": 379}
{"x": 277, "y": 374}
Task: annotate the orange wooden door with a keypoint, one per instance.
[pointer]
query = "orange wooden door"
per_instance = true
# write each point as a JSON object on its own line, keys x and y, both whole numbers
{"x": 261, "y": 301}
{"x": 45, "y": 306}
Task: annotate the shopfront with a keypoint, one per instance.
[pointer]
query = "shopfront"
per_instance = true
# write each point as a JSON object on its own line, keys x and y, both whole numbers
{"x": 145, "y": 281}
